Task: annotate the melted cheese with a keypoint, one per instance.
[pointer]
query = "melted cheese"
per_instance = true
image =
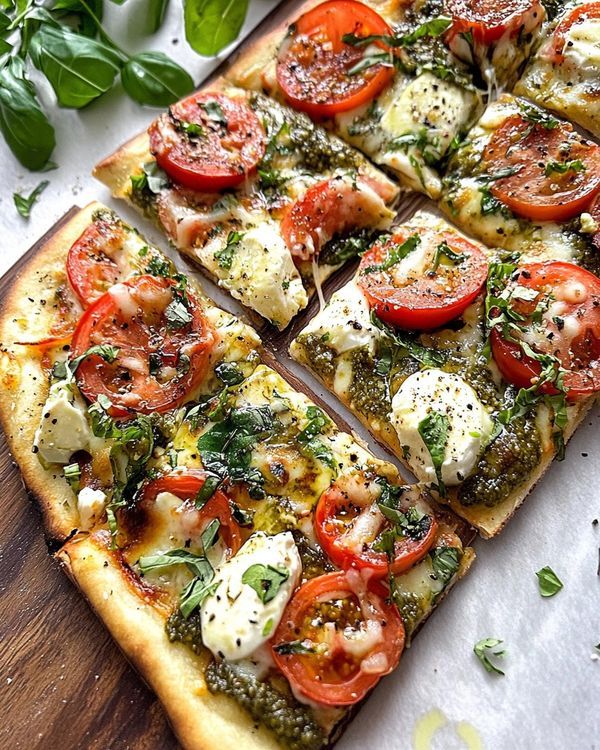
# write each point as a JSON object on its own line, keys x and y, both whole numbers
{"x": 63, "y": 428}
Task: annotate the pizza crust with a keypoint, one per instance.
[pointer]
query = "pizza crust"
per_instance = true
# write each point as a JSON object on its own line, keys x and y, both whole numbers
{"x": 26, "y": 315}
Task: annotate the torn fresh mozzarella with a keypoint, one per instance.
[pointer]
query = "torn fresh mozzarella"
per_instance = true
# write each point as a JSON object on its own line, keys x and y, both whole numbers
{"x": 469, "y": 424}
{"x": 90, "y": 504}
{"x": 235, "y": 619}
{"x": 63, "y": 428}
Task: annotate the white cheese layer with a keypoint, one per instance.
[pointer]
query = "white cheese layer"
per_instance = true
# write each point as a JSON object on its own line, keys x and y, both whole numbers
{"x": 262, "y": 274}
{"x": 582, "y": 46}
{"x": 346, "y": 321}
{"x": 90, "y": 504}
{"x": 469, "y": 428}
{"x": 235, "y": 622}
{"x": 63, "y": 428}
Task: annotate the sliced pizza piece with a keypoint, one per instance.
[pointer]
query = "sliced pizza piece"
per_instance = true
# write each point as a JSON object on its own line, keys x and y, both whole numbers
{"x": 394, "y": 92}
{"x": 564, "y": 74}
{"x": 473, "y": 367}
{"x": 527, "y": 181}
{"x": 265, "y": 201}
{"x": 265, "y": 585}
{"x": 497, "y": 36}
{"x": 101, "y": 324}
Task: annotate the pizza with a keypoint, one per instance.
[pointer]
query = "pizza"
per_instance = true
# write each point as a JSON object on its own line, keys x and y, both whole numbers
{"x": 527, "y": 181}
{"x": 261, "y": 568}
{"x": 378, "y": 74}
{"x": 264, "y": 200}
{"x": 472, "y": 365}
{"x": 563, "y": 74}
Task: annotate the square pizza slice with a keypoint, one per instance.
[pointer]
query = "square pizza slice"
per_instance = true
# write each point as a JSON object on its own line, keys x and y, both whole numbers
{"x": 382, "y": 80}
{"x": 265, "y": 584}
{"x": 564, "y": 74}
{"x": 473, "y": 366}
{"x": 264, "y": 200}
{"x": 528, "y": 182}
{"x": 100, "y": 323}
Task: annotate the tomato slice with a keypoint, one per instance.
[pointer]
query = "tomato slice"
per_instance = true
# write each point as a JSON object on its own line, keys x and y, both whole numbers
{"x": 578, "y": 15}
{"x": 186, "y": 486}
{"x": 348, "y": 525}
{"x": 569, "y": 329}
{"x": 556, "y": 171}
{"x": 313, "y": 63}
{"x": 158, "y": 363}
{"x": 489, "y": 20}
{"x": 352, "y": 634}
{"x": 91, "y": 267}
{"x": 328, "y": 208}
{"x": 208, "y": 141}
{"x": 412, "y": 293}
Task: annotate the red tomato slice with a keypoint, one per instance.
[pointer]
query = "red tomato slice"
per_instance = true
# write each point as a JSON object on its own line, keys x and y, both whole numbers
{"x": 325, "y": 613}
{"x": 348, "y": 524}
{"x": 570, "y": 328}
{"x": 313, "y": 61}
{"x": 132, "y": 317}
{"x": 489, "y": 20}
{"x": 186, "y": 486}
{"x": 578, "y": 15}
{"x": 329, "y": 208}
{"x": 208, "y": 142}
{"x": 422, "y": 298}
{"x": 541, "y": 189}
{"x": 90, "y": 266}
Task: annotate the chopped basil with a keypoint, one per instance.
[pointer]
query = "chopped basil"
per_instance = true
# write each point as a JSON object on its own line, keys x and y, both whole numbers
{"x": 214, "y": 112}
{"x": 265, "y": 580}
{"x": 229, "y": 373}
{"x": 210, "y": 535}
{"x": 483, "y": 651}
{"x": 434, "y": 433}
{"x": 191, "y": 129}
{"x": 538, "y": 117}
{"x": 151, "y": 178}
{"x": 66, "y": 370}
{"x": 208, "y": 489}
{"x": 24, "y": 204}
{"x": 549, "y": 583}
{"x": 240, "y": 515}
{"x": 195, "y": 563}
{"x": 394, "y": 255}
{"x": 443, "y": 249}
{"x": 445, "y": 562}
{"x": 268, "y": 627}
{"x": 562, "y": 167}
{"x": 195, "y": 593}
{"x": 225, "y": 256}
{"x": 432, "y": 28}
{"x": 72, "y": 474}
{"x": 402, "y": 339}
{"x": 177, "y": 315}
{"x": 308, "y": 437}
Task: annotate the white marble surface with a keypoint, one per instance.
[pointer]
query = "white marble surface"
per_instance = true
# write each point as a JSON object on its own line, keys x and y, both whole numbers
{"x": 550, "y": 695}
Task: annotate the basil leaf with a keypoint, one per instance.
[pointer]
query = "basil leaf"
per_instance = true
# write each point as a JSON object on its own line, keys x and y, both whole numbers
{"x": 208, "y": 489}
{"x": 172, "y": 557}
{"x": 562, "y": 167}
{"x": 434, "y": 433}
{"x": 79, "y": 69}
{"x": 196, "y": 592}
{"x": 229, "y": 373}
{"x": 265, "y": 580}
{"x": 443, "y": 249}
{"x": 214, "y": 112}
{"x": 24, "y": 204}
{"x": 153, "y": 178}
{"x": 72, "y": 474}
{"x": 153, "y": 78}
{"x": 395, "y": 255}
{"x": 445, "y": 562}
{"x": 177, "y": 315}
{"x": 210, "y": 534}
{"x": 549, "y": 583}
{"x": 242, "y": 516}
{"x": 309, "y": 442}
{"x": 210, "y": 25}
{"x": 225, "y": 255}
{"x": 427, "y": 357}
{"x": 156, "y": 14}
{"x": 482, "y": 650}
{"x": 25, "y": 127}
{"x": 433, "y": 28}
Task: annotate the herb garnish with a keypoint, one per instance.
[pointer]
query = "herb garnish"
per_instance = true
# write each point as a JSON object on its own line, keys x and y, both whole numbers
{"x": 549, "y": 583}
{"x": 562, "y": 167}
{"x": 24, "y": 204}
{"x": 395, "y": 254}
{"x": 434, "y": 431}
{"x": 483, "y": 651}
{"x": 266, "y": 580}
{"x": 225, "y": 255}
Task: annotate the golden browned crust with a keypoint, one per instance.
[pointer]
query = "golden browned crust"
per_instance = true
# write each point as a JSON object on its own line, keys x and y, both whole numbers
{"x": 201, "y": 720}
{"x": 27, "y": 314}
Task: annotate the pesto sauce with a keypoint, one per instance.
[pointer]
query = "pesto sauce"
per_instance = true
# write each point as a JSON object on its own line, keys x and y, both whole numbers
{"x": 289, "y": 720}
{"x": 185, "y": 631}
{"x": 369, "y": 390}
{"x": 321, "y": 357}
{"x": 506, "y": 463}
{"x": 412, "y": 608}
{"x": 145, "y": 200}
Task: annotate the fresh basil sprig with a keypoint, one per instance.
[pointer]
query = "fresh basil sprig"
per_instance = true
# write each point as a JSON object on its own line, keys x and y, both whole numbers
{"x": 211, "y": 25}
{"x": 266, "y": 580}
{"x": 24, "y": 203}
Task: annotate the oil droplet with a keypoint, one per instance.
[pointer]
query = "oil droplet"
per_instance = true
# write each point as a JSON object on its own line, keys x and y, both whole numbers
{"x": 428, "y": 725}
